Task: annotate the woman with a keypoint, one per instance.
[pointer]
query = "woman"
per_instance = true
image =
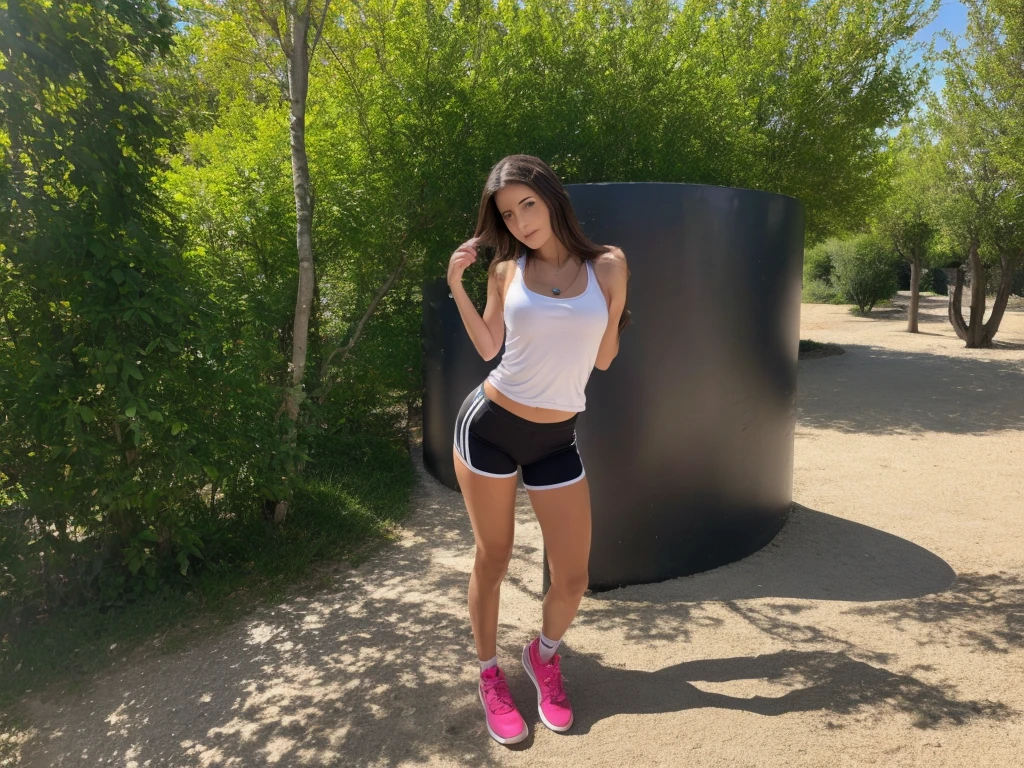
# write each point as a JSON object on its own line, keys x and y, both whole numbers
{"x": 557, "y": 300}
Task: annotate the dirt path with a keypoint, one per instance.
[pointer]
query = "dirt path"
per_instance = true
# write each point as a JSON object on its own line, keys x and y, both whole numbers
{"x": 883, "y": 626}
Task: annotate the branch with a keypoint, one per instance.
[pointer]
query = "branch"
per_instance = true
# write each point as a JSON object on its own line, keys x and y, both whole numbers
{"x": 280, "y": 409}
{"x": 259, "y": 50}
{"x": 362, "y": 322}
{"x": 271, "y": 22}
{"x": 360, "y": 101}
{"x": 1002, "y": 295}
{"x": 373, "y": 304}
{"x": 956, "y": 315}
{"x": 287, "y": 44}
{"x": 319, "y": 28}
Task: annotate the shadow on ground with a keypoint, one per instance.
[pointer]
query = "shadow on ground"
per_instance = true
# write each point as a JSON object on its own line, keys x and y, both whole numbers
{"x": 822, "y": 557}
{"x": 981, "y": 612}
{"x": 829, "y": 682}
{"x": 380, "y": 670}
{"x": 374, "y": 672}
{"x": 931, "y": 309}
{"x": 934, "y": 310}
{"x": 923, "y": 392}
{"x": 817, "y": 556}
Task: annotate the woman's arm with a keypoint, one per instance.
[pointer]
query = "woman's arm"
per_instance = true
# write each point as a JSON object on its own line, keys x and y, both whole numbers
{"x": 612, "y": 274}
{"x": 488, "y": 332}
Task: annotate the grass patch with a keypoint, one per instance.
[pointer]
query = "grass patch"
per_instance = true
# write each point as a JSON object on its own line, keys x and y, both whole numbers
{"x": 810, "y": 350}
{"x": 355, "y": 490}
{"x": 881, "y": 311}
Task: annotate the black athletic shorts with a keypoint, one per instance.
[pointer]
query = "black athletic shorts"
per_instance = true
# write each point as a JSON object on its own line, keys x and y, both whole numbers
{"x": 493, "y": 442}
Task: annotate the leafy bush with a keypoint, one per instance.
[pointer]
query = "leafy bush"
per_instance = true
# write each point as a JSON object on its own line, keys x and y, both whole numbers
{"x": 818, "y": 263}
{"x": 864, "y": 271}
{"x": 134, "y": 409}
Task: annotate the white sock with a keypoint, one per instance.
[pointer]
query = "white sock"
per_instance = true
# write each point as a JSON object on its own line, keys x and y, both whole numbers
{"x": 547, "y": 647}
{"x": 485, "y": 665}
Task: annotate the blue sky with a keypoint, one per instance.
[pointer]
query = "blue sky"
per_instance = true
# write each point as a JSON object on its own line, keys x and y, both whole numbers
{"x": 952, "y": 16}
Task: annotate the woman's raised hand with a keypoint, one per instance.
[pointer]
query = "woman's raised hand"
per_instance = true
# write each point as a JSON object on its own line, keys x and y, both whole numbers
{"x": 463, "y": 256}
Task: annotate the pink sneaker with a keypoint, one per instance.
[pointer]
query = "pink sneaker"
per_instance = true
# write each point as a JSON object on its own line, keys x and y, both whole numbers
{"x": 504, "y": 722}
{"x": 552, "y": 703}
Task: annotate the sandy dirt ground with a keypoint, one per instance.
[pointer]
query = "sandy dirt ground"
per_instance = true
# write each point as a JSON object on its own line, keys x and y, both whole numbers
{"x": 883, "y": 626}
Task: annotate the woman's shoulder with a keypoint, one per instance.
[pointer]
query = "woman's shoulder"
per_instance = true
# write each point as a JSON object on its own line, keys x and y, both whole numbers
{"x": 500, "y": 269}
{"x": 612, "y": 261}
{"x": 501, "y": 274}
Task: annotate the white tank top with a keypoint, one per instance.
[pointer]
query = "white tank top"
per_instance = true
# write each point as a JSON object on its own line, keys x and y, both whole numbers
{"x": 550, "y": 344}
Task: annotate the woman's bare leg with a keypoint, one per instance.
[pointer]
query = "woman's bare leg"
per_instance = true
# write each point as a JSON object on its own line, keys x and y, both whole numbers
{"x": 491, "y": 502}
{"x": 564, "y": 517}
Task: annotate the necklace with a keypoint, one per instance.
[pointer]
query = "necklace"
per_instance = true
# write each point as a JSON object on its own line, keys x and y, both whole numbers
{"x": 558, "y": 291}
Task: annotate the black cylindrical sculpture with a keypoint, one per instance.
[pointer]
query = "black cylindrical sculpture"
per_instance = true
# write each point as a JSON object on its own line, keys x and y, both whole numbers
{"x": 687, "y": 439}
{"x": 451, "y": 365}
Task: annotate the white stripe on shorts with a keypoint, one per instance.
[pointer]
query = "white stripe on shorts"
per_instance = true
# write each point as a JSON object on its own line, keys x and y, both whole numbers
{"x": 463, "y": 429}
{"x": 458, "y": 425}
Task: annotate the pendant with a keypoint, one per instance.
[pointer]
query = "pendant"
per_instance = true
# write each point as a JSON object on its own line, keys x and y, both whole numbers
{"x": 556, "y": 291}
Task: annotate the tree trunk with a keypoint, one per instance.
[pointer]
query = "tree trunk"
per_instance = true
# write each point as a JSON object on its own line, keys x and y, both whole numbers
{"x": 298, "y": 84}
{"x": 1009, "y": 266}
{"x": 975, "y": 327}
{"x": 956, "y": 314}
{"x": 915, "y": 291}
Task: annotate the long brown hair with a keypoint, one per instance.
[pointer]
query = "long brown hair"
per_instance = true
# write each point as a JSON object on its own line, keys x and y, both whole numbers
{"x": 538, "y": 176}
{"x": 492, "y": 231}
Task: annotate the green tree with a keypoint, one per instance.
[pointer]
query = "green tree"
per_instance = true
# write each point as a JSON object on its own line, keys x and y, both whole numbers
{"x": 907, "y": 217}
{"x": 979, "y": 118}
{"x": 818, "y": 285}
{"x": 807, "y": 92}
{"x": 818, "y": 263}
{"x": 94, "y": 348}
{"x": 284, "y": 40}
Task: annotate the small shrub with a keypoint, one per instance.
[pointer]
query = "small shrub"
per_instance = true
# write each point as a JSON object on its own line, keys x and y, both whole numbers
{"x": 864, "y": 271}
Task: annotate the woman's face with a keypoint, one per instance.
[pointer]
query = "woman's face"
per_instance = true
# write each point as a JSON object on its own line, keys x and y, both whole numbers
{"x": 525, "y": 214}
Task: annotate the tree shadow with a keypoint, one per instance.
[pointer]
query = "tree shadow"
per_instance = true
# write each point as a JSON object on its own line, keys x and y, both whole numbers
{"x": 933, "y": 310}
{"x": 378, "y": 669}
{"x": 816, "y": 556}
{"x": 984, "y": 610}
{"x": 930, "y": 309}
{"x": 374, "y": 671}
{"x": 881, "y": 391}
